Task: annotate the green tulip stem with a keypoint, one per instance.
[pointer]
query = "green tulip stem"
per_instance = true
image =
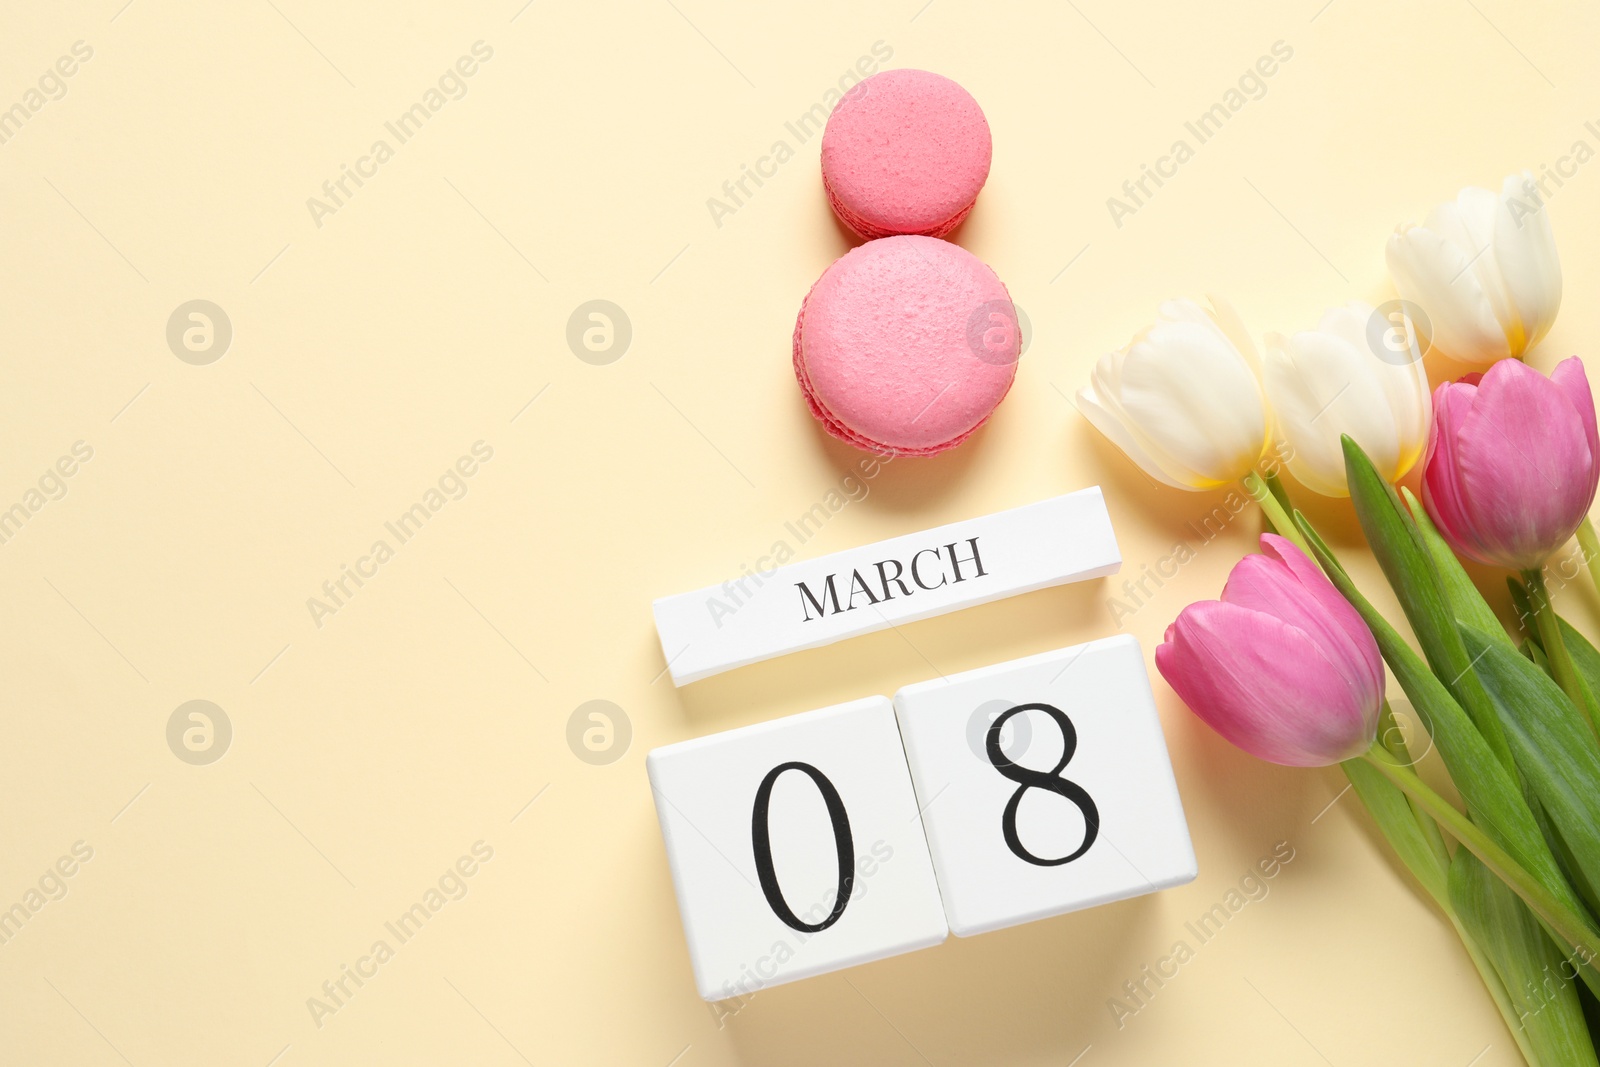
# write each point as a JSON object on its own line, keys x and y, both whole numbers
{"x": 1590, "y": 545}
{"x": 1561, "y": 920}
{"x": 1276, "y": 515}
{"x": 1555, "y": 646}
{"x": 1275, "y": 484}
{"x": 1393, "y": 739}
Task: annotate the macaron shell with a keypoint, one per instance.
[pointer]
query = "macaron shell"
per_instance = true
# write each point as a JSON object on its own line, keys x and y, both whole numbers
{"x": 889, "y": 347}
{"x": 838, "y": 429}
{"x": 905, "y": 152}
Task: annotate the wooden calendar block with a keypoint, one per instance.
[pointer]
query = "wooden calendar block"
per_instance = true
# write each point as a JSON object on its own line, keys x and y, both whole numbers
{"x": 778, "y": 609}
{"x": 795, "y": 847}
{"x": 1045, "y": 785}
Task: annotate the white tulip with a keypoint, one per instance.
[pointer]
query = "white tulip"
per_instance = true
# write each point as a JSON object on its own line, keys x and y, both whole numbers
{"x": 1484, "y": 269}
{"x": 1344, "y": 377}
{"x": 1183, "y": 400}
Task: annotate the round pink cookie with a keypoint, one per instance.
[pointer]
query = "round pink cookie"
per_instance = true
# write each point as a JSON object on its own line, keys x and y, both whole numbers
{"x": 905, "y": 151}
{"x": 905, "y": 345}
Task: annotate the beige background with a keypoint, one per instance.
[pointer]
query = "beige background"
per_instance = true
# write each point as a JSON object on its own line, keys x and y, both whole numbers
{"x": 369, "y": 353}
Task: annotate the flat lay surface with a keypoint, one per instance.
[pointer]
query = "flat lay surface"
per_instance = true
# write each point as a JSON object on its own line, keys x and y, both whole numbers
{"x": 372, "y": 369}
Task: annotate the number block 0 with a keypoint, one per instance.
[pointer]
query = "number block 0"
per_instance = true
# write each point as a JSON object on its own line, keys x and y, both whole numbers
{"x": 795, "y": 847}
{"x": 1045, "y": 785}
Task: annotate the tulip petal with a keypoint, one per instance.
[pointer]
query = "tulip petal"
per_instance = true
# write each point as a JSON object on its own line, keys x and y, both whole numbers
{"x": 1192, "y": 395}
{"x": 1280, "y": 581}
{"x": 1569, "y": 375}
{"x": 1404, "y": 384}
{"x": 1442, "y": 492}
{"x": 1232, "y": 326}
{"x": 1295, "y": 394}
{"x": 1320, "y": 387}
{"x": 1434, "y": 273}
{"x": 1526, "y": 469}
{"x": 1108, "y": 420}
{"x": 1525, "y": 253}
{"x": 1475, "y": 212}
{"x": 1264, "y": 686}
{"x": 1181, "y": 401}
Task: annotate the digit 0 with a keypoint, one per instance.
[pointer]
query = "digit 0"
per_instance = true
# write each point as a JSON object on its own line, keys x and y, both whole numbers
{"x": 1027, "y": 779}
{"x": 761, "y": 838}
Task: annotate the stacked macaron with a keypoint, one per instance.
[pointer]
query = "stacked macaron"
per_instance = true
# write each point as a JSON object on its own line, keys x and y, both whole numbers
{"x": 891, "y": 348}
{"x": 905, "y": 152}
{"x": 907, "y": 343}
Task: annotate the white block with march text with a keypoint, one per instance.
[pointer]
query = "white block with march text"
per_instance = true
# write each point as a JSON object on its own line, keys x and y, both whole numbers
{"x": 1045, "y": 785}
{"x": 777, "y": 609}
{"x": 795, "y": 847}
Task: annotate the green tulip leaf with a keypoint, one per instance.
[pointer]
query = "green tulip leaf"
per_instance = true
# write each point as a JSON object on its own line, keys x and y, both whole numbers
{"x": 1546, "y": 1017}
{"x": 1493, "y": 796}
{"x": 1580, "y": 654}
{"x": 1416, "y": 839}
{"x": 1463, "y": 598}
{"x": 1584, "y": 654}
{"x": 1399, "y": 548}
{"x": 1565, "y": 856}
{"x": 1394, "y": 815}
{"x": 1552, "y": 746}
{"x": 1585, "y": 657}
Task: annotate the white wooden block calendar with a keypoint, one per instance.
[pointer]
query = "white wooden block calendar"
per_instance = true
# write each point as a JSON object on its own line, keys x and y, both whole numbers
{"x": 795, "y": 847}
{"x": 1045, "y": 785}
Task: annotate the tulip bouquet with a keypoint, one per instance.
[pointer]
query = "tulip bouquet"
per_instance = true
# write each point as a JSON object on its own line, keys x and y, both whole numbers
{"x": 1289, "y": 663}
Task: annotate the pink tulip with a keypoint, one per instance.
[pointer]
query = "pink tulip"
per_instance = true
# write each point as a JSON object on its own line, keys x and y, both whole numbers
{"x": 1512, "y": 462}
{"x": 1282, "y": 666}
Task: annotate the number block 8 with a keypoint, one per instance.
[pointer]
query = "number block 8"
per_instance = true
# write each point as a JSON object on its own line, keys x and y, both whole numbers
{"x": 1045, "y": 785}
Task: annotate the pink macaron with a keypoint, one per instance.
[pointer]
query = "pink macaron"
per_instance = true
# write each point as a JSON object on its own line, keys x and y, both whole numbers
{"x": 905, "y": 152}
{"x": 905, "y": 345}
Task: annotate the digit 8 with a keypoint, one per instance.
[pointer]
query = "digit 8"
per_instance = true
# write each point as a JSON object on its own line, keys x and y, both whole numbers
{"x": 1028, "y": 779}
